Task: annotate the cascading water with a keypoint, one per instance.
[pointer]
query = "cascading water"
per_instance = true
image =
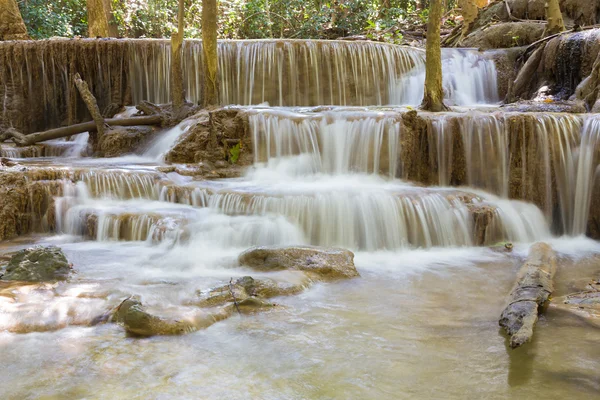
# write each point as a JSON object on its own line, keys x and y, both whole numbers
{"x": 469, "y": 78}
{"x": 280, "y": 72}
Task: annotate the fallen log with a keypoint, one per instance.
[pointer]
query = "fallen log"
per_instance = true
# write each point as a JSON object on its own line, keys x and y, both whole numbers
{"x": 90, "y": 102}
{"x": 529, "y": 295}
{"x": 26, "y": 140}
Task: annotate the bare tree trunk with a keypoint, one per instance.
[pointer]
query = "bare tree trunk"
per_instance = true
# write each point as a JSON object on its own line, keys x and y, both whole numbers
{"x": 113, "y": 28}
{"x": 434, "y": 92}
{"x": 97, "y": 20}
{"x": 209, "y": 49}
{"x": 32, "y": 138}
{"x": 554, "y": 18}
{"x": 469, "y": 11}
{"x": 90, "y": 102}
{"x": 12, "y": 26}
{"x": 177, "y": 95}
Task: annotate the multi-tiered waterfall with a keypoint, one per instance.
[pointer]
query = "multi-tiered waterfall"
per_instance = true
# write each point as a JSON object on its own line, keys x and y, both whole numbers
{"x": 337, "y": 156}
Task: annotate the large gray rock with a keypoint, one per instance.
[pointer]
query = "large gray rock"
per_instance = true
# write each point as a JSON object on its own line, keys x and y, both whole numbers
{"x": 319, "y": 262}
{"x": 38, "y": 264}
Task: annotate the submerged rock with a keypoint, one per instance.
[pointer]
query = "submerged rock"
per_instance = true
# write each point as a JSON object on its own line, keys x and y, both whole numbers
{"x": 248, "y": 292}
{"x": 137, "y": 321}
{"x": 38, "y": 264}
{"x": 323, "y": 263}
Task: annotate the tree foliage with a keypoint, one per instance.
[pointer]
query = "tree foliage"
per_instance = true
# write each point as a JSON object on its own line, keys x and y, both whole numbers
{"x": 252, "y": 19}
{"x": 46, "y": 19}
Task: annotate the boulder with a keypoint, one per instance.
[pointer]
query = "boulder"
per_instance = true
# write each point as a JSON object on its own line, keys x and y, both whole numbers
{"x": 505, "y": 35}
{"x": 318, "y": 262}
{"x": 38, "y": 264}
{"x": 125, "y": 140}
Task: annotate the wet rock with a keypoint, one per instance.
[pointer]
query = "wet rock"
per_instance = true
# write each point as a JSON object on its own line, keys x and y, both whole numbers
{"x": 505, "y": 35}
{"x": 248, "y": 292}
{"x": 318, "y": 262}
{"x": 38, "y": 264}
{"x": 125, "y": 140}
{"x": 584, "y": 305}
{"x": 210, "y": 140}
{"x": 137, "y": 321}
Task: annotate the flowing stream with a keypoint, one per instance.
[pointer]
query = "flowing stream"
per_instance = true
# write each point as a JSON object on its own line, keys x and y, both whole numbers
{"x": 420, "y": 322}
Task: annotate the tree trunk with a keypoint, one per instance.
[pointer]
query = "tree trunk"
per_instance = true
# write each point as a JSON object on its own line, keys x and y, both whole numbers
{"x": 90, "y": 102}
{"x": 12, "y": 26}
{"x": 113, "y": 27}
{"x": 469, "y": 11}
{"x": 434, "y": 92}
{"x": 33, "y": 138}
{"x": 177, "y": 95}
{"x": 384, "y": 8}
{"x": 554, "y": 18}
{"x": 209, "y": 48}
{"x": 97, "y": 20}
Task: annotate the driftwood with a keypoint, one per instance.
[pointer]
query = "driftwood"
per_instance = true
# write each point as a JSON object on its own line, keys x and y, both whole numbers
{"x": 529, "y": 295}
{"x": 26, "y": 140}
{"x": 90, "y": 102}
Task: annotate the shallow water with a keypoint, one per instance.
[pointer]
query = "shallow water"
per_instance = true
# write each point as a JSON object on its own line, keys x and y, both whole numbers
{"x": 417, "y": 324}
{"x": 420, "y": 322}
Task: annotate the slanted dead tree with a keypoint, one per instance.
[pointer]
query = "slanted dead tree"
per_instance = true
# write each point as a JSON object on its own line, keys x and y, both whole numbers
{"x": 90, "y": 102}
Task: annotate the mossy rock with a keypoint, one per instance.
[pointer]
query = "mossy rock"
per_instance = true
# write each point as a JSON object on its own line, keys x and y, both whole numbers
{"x": 38, "y": 264}
{"x": 319, "y": 262}
{"x": 137, "y": 321}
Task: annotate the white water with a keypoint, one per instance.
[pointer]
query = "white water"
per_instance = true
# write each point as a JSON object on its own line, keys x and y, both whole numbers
{"x": 468, "y": 79}
{"x": 165, "y": 141}
{"x": 311, "y": 73}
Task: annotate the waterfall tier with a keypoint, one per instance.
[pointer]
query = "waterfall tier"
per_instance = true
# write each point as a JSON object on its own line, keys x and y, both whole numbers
{"x": 37, "y": 93}
{"x": 548, "y": 159}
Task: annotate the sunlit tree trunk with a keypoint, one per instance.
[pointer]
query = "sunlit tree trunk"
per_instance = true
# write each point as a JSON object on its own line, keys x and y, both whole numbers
{"x": 209, "y": 49}
{"x": 12, "y": 26}
{"x": 554, "y": 18}
{"x": 469, "y": 11}
{"x": 97, "y": 20}
{"x": 434, "y": 92}
{"x": 113, "y": 28}
{"x": 177, "y": 95}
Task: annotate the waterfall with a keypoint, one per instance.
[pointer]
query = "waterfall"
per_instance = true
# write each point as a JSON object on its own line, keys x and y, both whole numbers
{"x": 336, "y": 143}
{"x": 279, "y": 72}
{"x": 468, "y": 78}
{"x": 587, "y": 174}
{"x": 548, "y": 159}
